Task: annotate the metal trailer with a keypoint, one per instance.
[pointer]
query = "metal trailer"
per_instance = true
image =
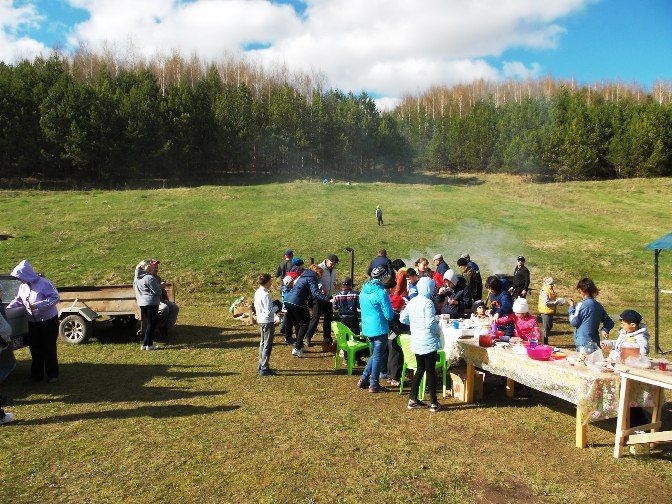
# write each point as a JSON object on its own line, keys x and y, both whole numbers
{"x": 78, "y": 308}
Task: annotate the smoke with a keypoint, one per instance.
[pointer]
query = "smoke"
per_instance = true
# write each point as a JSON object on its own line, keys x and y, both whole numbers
{"x": 494, "y": 250}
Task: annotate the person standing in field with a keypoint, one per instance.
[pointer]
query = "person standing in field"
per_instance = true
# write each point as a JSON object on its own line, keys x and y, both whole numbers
{"x": 285, "y": 266}
{"x": 148, "y": 296}
{"x": 377, "y": 313}
{"x": 265, "y": 311}
{"x": 379, "y": 215}
{"x": 586, "y": 317}
{"x": 521, "y": 279}
{"x": 548, "y": 306}
{"x": 39, "y": 297}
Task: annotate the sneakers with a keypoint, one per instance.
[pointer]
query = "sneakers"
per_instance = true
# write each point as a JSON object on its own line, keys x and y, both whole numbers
{"x": 374, "y": 389}
{"x": 393, "y": 383}
{"x": 7, "y": 418}
{"x": 298, "y": 352}
{"x": 267, "y": 372}
{"x": 149, "y": 347}
{"x": 363, "y": 383}
{"x": 415, "y": 404}
{"x": 434, "y": 407}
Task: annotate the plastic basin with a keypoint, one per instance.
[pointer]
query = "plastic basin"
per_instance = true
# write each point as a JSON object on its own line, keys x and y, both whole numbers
{"x": 540, "y": 352}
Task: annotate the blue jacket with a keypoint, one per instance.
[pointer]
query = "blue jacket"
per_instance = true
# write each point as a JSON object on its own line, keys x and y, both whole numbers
{"x": 376, "y": 308}
{"x": 346, "y": 302}
{"x": 460, "y": 294}
{"x": 442, "y": 267}
{"x": 380, "y": 261}
{"x": 586, "y": 316}
{"x": 504, "y": 307}
{"x": 419, "y": 313}
{"x": 305, "y": 286}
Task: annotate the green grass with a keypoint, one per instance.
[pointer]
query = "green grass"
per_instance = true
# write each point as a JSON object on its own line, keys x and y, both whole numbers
{"x": 192, "y": 422}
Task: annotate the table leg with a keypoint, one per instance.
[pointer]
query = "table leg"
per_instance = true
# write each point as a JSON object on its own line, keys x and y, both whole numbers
{"x": 623, "y": 421}
{"x": 580, "y": 430}
{"x": 658, "y": 400}
{"x": 510, "y": 387}
{"x": 469, "y": 386}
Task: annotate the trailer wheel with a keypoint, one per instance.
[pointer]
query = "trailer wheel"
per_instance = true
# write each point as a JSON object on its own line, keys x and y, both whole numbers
{"x": 75, "y": 329}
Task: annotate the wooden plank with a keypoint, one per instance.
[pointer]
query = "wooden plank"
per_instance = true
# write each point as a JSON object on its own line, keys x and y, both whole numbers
{"x": 651, "y": 426}
{"x": 469, "y": 386}
{"x": 651, "y": 376}
{"x": 510, "y": 387}
{"x": 581, "y": 430}
{"x": 623, "y": 420}
{"x": 650, "y": 437}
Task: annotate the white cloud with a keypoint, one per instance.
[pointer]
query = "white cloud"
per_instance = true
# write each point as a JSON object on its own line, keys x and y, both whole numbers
{"x": 14, "y": 18}
{"x": 386, "y": 103}
{"x": 387, "y": 47}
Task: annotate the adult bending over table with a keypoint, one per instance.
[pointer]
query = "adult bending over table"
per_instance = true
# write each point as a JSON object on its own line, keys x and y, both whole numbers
{"x": 586, "y": 317}
{"x": 377, "y": 312}
{"x": 425, "y": 341}
{"x": 39, "y": 297}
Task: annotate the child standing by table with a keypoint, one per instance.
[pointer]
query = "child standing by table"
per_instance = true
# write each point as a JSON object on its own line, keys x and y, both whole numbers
{"x": 548, "y": 306}
{"x": 586, "y": 317}
{"x": 524, "y": 325}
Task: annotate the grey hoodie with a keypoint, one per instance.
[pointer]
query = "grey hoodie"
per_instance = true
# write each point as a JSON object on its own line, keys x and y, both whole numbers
{"x": 147, "y": 288}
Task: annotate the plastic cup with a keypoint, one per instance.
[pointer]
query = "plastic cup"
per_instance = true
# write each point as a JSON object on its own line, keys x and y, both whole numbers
{"x": 456, "y": 324}
{"x": 662, "y": 366}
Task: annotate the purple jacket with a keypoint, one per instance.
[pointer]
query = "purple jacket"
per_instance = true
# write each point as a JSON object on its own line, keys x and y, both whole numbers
{"x": 36, "y": 291}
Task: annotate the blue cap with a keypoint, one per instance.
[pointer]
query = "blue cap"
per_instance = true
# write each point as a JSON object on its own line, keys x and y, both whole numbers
{"x": 289, "y": 252}
{"x": 297, "y": 261}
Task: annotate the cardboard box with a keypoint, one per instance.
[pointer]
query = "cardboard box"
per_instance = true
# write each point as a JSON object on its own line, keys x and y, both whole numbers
{"x": 459, "y": 379}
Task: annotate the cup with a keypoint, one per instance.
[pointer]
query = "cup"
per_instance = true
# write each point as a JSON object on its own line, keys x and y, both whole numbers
{"x": 456, "y": 324}
{"x": 662, "y": 366}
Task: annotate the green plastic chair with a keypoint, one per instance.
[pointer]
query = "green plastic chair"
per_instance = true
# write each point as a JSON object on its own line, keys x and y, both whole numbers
{"x": 411, "y": 363}
{"x": 346, "y": 341}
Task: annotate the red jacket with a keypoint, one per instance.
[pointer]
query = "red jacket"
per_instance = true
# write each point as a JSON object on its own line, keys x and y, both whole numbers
{"x": 524, "y": 326}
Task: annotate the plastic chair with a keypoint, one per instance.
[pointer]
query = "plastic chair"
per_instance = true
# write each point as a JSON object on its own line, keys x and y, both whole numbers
{"x": 345, "y": 340}
{"x": 411, "y": 363}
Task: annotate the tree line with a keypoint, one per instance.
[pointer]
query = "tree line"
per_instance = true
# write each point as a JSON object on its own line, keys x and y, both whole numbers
{"x": 95, "y": 117}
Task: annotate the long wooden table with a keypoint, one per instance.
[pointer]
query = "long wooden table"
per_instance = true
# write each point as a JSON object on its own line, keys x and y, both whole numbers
{"x": 594, "y": 393}
{"x": 659, "y": 380}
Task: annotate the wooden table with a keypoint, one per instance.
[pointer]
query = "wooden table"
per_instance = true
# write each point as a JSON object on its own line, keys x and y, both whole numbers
{"x": 594, "y": 393}
{"x": 659, "y": 380}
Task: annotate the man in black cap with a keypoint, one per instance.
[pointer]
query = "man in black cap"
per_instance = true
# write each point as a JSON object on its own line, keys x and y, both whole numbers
{"x": 521, "y": 280}
{"x": 328, "y": 286}
{"x": 285, "y": 265}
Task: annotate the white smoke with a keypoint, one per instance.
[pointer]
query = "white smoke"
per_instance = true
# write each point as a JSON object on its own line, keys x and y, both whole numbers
{"x": 494, "y": 250}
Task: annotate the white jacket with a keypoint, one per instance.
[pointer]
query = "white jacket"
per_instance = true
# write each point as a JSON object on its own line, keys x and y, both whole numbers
{"x": 263, "y": 306}
{"x": 328, "y": 280}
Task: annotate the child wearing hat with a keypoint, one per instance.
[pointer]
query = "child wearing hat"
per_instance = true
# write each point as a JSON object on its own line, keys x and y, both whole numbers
{"x": 478, "y": 315}
{"x": 631, "y": 327}
{"x": 548, "y": 306}
{"x": 346, "y": 303}
{"x": 379, "y": 215}
{"x": 524, "y": 325}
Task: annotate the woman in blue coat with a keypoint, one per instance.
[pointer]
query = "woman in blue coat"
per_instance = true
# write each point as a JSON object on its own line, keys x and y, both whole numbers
{"x": 376, "y": 311}
{"x": 586, "y": 316}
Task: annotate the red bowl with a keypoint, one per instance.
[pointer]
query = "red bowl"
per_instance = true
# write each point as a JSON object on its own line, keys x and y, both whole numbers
{"x": 540, "y": 352}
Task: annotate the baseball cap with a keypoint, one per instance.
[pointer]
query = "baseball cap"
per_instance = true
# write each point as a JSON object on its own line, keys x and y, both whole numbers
{"x": 378, "y": 272}
{"x": 521, "y": 258}
{"x": 347, "y": 281}
{"x": 289, "y": 252}
{"x": 631, "y": 317}
{"x": 437, "y": 257}
{"x": 297, "y": 261}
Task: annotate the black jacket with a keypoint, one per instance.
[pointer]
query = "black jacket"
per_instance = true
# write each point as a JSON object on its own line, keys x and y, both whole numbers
{"x": 460, "y": 294}
{"x": 521, "y": 279}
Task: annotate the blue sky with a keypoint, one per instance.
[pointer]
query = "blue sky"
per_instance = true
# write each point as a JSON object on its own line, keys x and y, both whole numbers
{"x": 370, "y": 44}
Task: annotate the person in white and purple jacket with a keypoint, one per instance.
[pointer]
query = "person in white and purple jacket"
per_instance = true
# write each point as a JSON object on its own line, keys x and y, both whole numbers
{"x": 39, "y": 297}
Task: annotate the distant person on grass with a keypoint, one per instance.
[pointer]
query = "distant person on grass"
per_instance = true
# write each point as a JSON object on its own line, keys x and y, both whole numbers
{"x": 285, "y": 265}
{"x": 39, "y": 297}
{"x": 377, "y": 312}
{"x": 379, "y": 215}
{"x": 265, "y": 311}
{"x": 420, "y": 315}
{"x": 521, "y": 279}
{"x": 148, "y": 296}
{"x": 297, "y": 303}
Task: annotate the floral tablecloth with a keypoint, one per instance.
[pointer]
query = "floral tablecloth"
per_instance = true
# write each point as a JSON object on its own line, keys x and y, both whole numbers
{"x": 449, "y": 339}
{"x": 594, "y": 393}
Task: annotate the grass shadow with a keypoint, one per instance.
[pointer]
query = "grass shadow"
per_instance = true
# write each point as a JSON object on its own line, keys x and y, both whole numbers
{"x": 176, "y": 411}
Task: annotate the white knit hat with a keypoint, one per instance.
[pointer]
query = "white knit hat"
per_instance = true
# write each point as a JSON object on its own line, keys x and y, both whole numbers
{"x": 451, "y": 276}
{"x": 520, "y": 306}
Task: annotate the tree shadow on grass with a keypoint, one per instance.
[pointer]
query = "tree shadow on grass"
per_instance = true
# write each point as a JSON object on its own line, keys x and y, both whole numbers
{"x": 83, "y": 383}
{"x": 173, "y": 411}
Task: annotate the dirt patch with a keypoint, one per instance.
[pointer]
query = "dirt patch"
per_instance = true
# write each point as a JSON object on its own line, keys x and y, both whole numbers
{"x": 513, "y": 491}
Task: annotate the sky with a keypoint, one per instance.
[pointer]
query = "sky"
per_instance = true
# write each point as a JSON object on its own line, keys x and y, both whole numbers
{"x": 385, "y": 47}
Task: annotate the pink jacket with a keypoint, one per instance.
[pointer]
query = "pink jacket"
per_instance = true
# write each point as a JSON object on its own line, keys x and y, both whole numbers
{"x": 523, "y": 326}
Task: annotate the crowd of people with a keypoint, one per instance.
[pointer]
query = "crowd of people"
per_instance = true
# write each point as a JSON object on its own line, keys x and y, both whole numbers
{"x": 400, "y": 299}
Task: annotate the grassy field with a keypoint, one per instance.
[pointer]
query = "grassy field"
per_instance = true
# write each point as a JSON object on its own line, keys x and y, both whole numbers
{"x": 193, "y": 422}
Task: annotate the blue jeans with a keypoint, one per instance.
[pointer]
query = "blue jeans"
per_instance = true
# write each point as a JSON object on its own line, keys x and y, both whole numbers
{"x": 372, "y": 369}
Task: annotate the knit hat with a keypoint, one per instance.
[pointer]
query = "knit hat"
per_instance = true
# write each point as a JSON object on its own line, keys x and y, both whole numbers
{"x": 520, "y": 306}
{"x": 548, "y": 280}
{"x": 631, "y": 317}
{"x": 476, "y": 304}
{"x": 465, "y": 256}
{"x": 378, "y": 272}
{"x": 451, "y": 276}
